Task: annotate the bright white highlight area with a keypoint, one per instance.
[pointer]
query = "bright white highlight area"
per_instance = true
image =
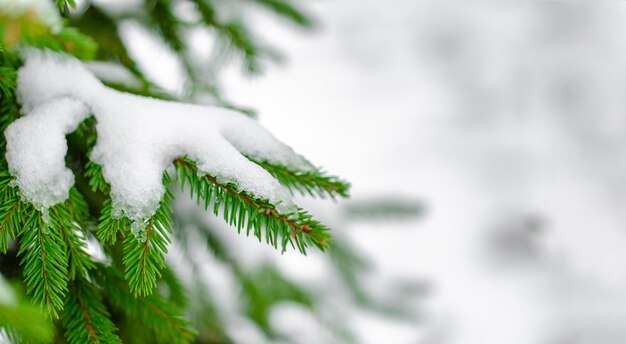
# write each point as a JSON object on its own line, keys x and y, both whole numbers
{"x": 138, "y": 138}
{"x": 36, "y": 149}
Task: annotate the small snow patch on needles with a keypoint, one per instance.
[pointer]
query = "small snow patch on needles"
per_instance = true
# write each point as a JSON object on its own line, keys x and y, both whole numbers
{"x": 138, "y": 138}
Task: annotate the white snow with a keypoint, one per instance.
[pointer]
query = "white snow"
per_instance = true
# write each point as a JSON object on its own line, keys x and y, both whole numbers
{"x": 138, "y": 138}
{"x": 113, "y": 72}
{"x": 36, "y": 149}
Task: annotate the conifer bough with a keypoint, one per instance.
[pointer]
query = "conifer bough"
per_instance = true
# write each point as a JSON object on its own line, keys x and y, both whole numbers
{"x": 88, "y": 168}
{"x": 137, "y": 138}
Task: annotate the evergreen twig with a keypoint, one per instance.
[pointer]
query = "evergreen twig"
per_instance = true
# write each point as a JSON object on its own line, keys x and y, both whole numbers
{"x": 242, "y": 210}
{"x": 313, "y": 183}
{"x": 85, "y": 318}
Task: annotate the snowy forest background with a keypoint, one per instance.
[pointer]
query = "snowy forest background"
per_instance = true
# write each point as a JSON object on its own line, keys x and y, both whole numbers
{"x": 507, "y": 120}
{"x": 484, "y": 141}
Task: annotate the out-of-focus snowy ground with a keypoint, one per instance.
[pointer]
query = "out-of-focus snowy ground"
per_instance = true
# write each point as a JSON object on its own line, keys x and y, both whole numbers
{"x": 508, "y": 118}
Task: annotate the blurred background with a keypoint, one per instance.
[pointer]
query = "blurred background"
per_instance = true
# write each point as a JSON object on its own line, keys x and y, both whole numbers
{"x": 506, "y": 120}
{"x": 485, "y": 144}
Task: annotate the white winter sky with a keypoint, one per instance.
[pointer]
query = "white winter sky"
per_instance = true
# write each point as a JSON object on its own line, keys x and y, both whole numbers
{"x": 492, "y": 112}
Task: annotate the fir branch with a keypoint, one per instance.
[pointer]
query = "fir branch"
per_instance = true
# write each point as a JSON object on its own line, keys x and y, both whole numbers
{"x": 75, "y": 246}
{"x": 144, "y": 251}
{"x": 68, "y": 216}
{"x": 9, "y": 113}
{"x": 243, "y": 210}
{"x": 312, "y": 183}
{"x": 12, "y": 211}
{"x": 8, "y": 81}
{"x": 45, "y": 262}
{"x": 97, "y": 182}
{"x": 77, "y": 208}
{"x": 86, "y": 319}
{"x": 110, "y": 225}
{"x": 8, "y": 105}
{"x": 152, "y": 312}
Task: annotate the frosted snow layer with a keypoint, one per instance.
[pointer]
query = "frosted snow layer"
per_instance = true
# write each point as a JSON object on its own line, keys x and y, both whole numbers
{"x": 138, "y": 138}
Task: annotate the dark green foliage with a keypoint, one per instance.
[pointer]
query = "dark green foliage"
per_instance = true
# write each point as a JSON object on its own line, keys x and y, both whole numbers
{"x": 12, "y": 211}
{"x": 79, "y": 260}
{"x": 86, "y": 319}
{"x": 8, "y": 81}
{"x": 111, "y": 226}
{"x": 144, "y": 251}
{"x": 45, "y": 262}
{"x": 161, "y": 321}
{"x": 70, "y": 215}
{"x": 96, "y": 179}
{"x": 52, "y": 252}
{"x": 9, "y": 111}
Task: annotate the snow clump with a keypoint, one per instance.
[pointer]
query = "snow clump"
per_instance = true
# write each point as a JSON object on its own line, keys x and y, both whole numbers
{"x": 138, "y": 139}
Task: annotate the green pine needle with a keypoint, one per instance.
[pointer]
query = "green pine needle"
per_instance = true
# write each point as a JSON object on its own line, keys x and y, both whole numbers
{"x": 45, "y": 262}
{"x": 97, "y": 182}
{"x": 110, "y": 225}
{"x": 312, "y": 183}
{"x": 75, "y": 246}
{"x": 152, "y": 313}
{"x": 85, "y": 318}
{"x": 144, "y": 253}
{"x": 8, "y": 81}
{"x": 12, "y": 211}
